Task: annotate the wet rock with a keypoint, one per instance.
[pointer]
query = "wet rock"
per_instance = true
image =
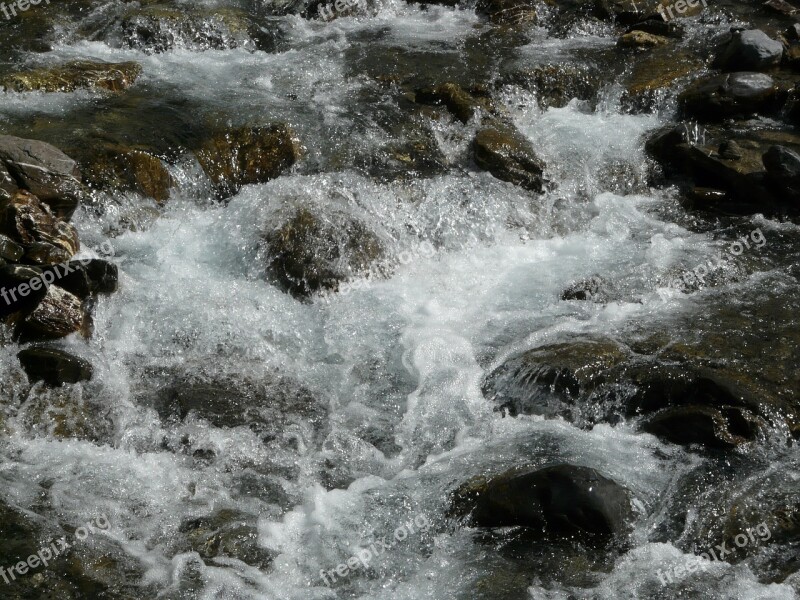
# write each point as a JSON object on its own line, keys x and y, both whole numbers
{"x": 750, "y": 50}
{"x": 10, "y": 250}
{"x": 114, "y": 77}
{"x": 11, "y": 278}
{"x": 594, "y": 289}
{"x": 44, "y": 171}
{"x": 730, "y": 150}
{"x": 230, "y": 534}
{"x": 724, "y": 427}
{"x": 559, "y": 501}
{"x": 507, "y": 155}
{"x": 54, "y": 367}
{"x": 555, "y": 85}
{"x": 57, "y": 315}
{"x": 30, "y": 222}
{"x": 274, "y": 407}
{"x": 542, "y": 380}
{"x": 783, "y": 171}
{"x": 308, "y": 254}
{"x": 8, "y": 187}
{"x": 85, "y": 277}
{"x": 458, "y": 101}
{"x": 248, "y": 155}
{"x": 508, "y": 12}
{"x": 655, "y": 73}
{"x": 730, "y": 95}
{"x": 641, "y": 39}
{"x": 119, "y": 168}
{"x": 156, "y": 29}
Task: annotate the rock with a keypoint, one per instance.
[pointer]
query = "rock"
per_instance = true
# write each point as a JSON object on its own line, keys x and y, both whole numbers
{"x": 750, "y": 50}
{"x": 118, "y": 168}
{"x": 555, "y": 85}
{"x": 508, "y": 12}
{"x": 46, "y": 239}
{"x": 270, "y": 406}
{"x": 507, "y": 155}
{"x": 542, "y": 380}
{"x": 114, "y": 77}
{"x": 458, "y": 101}
{"x": 230, "y": 534}
{"x": 85, "y": 277}
{"x": 57, "y": 315}
{"x": 729, "y": 95}
{"x": 248, "y": 155}
{"x": 724, "y": 427}
{"x": 730, "y": 150}
{"x": 10, "y": 250}
{"x": 44, "y": 171}
{"x": 641, "y": 39}
{"x": 594, "y": 289}
{"x": 308, "y": 254}
{"x": 54, "y": 367}
{"x": 656, "y": 72}
{"x": 156, "y": 29}
{"x": 8, "y": 187}
{"x": 11, "y": 278}
{"x": 783, "y": 171}
{"x": 562, "y": 501}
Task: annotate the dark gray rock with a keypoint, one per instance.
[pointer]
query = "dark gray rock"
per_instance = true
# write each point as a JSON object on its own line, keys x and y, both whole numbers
{"x": 559, "y": 501}
{"x": 730, "y": 95}
{"x": 594, "y": 289}
{"x": 44, "y": 171}
{"x": 783, "y": 172}
{"x": 751, "y": 50}
{"x": 54, "y": 367}
{"x": 723, "y": 427}
{"x": 10, "y": 250}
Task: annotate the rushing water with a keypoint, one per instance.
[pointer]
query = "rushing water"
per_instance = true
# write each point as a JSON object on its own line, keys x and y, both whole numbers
{"x": 397, "y": 363}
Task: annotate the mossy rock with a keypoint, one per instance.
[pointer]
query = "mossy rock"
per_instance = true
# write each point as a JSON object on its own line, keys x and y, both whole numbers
{"x": 114, "y": 77}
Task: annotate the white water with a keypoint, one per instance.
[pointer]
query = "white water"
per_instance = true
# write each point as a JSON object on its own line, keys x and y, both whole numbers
{"x": 398, "y": 363}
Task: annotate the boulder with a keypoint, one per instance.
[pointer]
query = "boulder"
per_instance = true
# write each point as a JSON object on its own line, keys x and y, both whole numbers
{"x": 248, "y": 155}
{"x": 749, "y": 50}
{"x": 118, "y": 168}
{"x": 43, "y": 170}
{"x": 507, "y": 155}
{"x": 10, "y": 250}
{"x": 541, "y": 381}
{"x": 729, "y": 95}
{"x": 45, "y": 238}
{"x": 85, "y": 277}
{"x": 308, "y": 253}
{"x": 57, "y": 315}
{"x": 54, "y": 367}
{"x": 11, "y": 278}
{"x": 561, "y": 501}
{"x": 113, "y": 77}
{"x": 462, "y": 104}
{"x": 723, "y": 427}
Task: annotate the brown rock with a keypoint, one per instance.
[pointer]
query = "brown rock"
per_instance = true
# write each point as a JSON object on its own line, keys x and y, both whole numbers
{"x": 28, "y": 221}
{"x": 58, "y": 315}
{"x": 507, "y": 155}
{"x": 117, "y": 168}
{"x": 71, "y": 76}
{"x": 248, "y": 155}
{"x": 641, "y": 39}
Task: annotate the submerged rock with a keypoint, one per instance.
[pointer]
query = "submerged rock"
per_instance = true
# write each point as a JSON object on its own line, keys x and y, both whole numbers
{"x": 724, "y": 427}
{"x": 561, "y": 501}
{"x": 595, "y": 289}
{"x": 41, "y": 169}
{"x": 309, "y": 253}
{"x": 462, "y": 104}
{"x": 114, "y": 77}
{"x": 248, "y": 155}
{"x": 227, "y": 534}
{"x": 507, "y": 155}
{"x": 54, "y": 367}
{"x": 508, "y": 12}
